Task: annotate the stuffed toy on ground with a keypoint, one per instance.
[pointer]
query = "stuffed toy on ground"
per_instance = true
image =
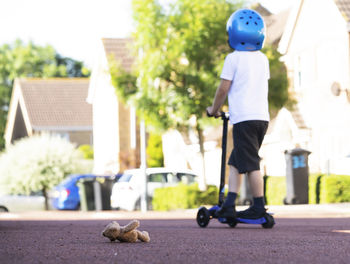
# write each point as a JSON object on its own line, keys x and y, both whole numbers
{"x": 128, "y": 233}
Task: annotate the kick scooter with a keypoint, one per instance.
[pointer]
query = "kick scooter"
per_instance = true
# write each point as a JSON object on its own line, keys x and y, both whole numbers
{"x": 204, "y": 215}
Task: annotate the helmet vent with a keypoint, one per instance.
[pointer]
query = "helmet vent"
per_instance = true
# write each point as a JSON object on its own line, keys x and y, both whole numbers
{"x": 241, "y": 17}
{"x": 258, "y": 43}
{"x": 247, "y": 23}
{"x": 242, "y": 43}
{"x": 255, "y": 23}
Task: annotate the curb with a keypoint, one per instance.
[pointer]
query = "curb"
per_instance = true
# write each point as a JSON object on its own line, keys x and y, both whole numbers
{"x": 284, "y": 211}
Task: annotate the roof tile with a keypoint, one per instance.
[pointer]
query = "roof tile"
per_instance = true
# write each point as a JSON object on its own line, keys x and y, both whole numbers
{"x": 120, "y": 48}
{"x": 58, "y": 102}
{"x": 344, "y": 7}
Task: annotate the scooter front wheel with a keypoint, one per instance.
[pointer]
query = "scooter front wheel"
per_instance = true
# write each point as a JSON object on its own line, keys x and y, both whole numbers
{"x": 270, "y": 221}
{"x": 203, "y": 217}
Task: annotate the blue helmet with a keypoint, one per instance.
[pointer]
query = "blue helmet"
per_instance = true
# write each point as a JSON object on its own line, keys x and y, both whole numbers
{"x": 246, "y": 30}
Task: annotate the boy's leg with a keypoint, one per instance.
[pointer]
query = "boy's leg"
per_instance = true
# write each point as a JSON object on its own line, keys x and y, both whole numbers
{"x": 227, "y": 209}
{"x": 256, "y": 183}
{"x": 234, "y": 180}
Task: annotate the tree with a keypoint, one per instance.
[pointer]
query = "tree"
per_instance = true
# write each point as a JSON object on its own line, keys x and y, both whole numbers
{"x": 278, "y": 83}
{"x": 38, "y": 163}
{"x": 30, "y": 60}
{"x": 154, "y": 151}
{"x": 183, "y": 46}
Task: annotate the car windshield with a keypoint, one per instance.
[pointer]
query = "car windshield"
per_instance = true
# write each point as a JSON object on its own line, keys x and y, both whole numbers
{"x": 125, "y": 178}
{"x": 67, "y": 180}
{"x": 186, "y": 178}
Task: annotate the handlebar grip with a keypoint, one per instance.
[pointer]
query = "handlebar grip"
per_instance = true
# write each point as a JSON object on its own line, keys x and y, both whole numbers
{"x": 223, "y": 115}
{"x": 209, "y": 115}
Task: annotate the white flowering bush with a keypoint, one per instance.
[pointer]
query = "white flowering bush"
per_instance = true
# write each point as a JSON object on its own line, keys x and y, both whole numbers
{"x": 38, "y": 163}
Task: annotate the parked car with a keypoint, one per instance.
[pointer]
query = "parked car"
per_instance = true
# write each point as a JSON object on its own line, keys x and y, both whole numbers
{"x": 21, "y": 203}
{"x": 65, "y": 196}
{"x": 126, "y": 193}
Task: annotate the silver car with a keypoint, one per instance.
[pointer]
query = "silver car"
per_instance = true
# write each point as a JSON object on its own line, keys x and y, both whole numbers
{"x": 126, "y": 193}
{"x": 21, "y": 203}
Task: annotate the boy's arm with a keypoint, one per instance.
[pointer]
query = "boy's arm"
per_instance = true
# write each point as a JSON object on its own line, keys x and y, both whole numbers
{"x": 220, "y": 97}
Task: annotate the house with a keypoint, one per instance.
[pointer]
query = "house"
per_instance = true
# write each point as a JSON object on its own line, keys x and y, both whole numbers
{"x": 315, "y": 49}
{"x": 54, "y": 105}
{"x": 115, "y": 129}
{"x": 313, "y": 38}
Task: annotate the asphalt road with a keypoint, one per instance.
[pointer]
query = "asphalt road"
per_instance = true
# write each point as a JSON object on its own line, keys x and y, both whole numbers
{"x": 315, "y": 239}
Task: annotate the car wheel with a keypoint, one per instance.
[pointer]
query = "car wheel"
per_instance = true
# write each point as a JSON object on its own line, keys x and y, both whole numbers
{"x": 3, "y": 209}
{"x": 137, "y": 206}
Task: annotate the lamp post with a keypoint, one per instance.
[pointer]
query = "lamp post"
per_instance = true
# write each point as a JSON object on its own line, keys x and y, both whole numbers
{"x": 143, "y": 166}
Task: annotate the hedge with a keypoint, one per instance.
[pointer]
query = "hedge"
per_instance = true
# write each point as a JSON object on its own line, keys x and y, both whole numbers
{"x": 275, "y": 190}
{"x": 183, "y": 197}
{"x": 322, "y": 189}
{"x": 335, "y": 189}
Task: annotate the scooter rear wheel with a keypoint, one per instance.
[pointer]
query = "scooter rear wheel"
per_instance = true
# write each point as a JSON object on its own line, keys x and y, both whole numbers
{"x": 232, "y": 224}
{"x": 203, "y": 217}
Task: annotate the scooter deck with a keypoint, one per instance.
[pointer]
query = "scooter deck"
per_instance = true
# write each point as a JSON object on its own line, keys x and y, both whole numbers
{"x": 258, "y": 221}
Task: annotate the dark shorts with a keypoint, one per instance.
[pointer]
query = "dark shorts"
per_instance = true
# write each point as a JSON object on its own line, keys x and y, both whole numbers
{"x": 247, "y": 139}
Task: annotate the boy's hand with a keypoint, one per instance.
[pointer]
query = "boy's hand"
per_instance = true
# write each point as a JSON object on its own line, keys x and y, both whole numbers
{"x": 210, "y": 112}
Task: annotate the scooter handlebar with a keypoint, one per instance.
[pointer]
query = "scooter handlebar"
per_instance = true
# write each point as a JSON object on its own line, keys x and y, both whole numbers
{"x": 223, "y": 115}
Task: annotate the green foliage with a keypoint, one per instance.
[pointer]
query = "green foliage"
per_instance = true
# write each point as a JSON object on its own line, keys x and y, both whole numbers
{"x": 183, "y": 197}
{"x": 38, "y": 163}
{"x": 87, "y": 150}
{"x": 278, "y": 83}
{"x": 335, "y": 189}
{"x": 314, "y": 188}
{"x": 123, "y": 81}
{"x": 30, "y": 60}
{"x": 155, "y": 151}
{"x": 275, "y": 190}
{"x": 322, "y": 189}
{"x": 183, "y": 47}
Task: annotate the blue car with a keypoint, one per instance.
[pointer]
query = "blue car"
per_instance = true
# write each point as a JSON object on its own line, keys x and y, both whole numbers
{"x": 65, "y": 196}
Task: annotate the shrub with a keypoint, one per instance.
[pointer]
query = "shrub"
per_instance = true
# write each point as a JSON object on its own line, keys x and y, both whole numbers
{"x": 335, "y": 189}
{"x": 314, "y": 188}
{"x": 275, "y": 190}
{"x": 38, "y": 163}
{"x": 155, "y": 151}
{"x": 183, "y": 197}
{"x": 88, "y": 152}
{"x": 322, "y": 189}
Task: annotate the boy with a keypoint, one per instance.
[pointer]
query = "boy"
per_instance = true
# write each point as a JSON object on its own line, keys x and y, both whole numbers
{"x": 244, "y": 79}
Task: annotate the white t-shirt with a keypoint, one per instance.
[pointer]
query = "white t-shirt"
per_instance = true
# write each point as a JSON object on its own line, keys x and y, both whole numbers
{"x": 249, "y": 73}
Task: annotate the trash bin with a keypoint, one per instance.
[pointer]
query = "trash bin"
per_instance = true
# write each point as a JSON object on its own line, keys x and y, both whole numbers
{"x": 86, "y": 194}
{"x": 95, "y": 193}
{"x": 297, "y": 176}
{"x": 106, "y": 191}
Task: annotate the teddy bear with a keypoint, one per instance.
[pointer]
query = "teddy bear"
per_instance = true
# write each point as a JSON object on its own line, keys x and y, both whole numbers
{"x": 127, "y": 233}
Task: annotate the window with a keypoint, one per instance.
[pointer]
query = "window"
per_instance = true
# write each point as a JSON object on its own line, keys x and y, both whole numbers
{"x": 157, "y": 177}
{"x": 186, "y": 178}
{"x": 125, "y": 178}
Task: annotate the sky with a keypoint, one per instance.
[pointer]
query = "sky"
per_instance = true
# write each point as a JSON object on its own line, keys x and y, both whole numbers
{"x": 74, "y": 27}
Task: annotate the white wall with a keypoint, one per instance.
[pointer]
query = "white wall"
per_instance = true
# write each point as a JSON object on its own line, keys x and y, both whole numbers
{"x": 105, "y": 118}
